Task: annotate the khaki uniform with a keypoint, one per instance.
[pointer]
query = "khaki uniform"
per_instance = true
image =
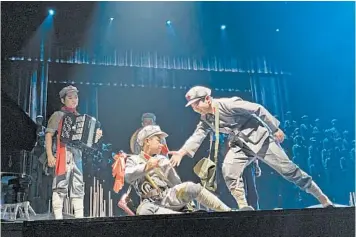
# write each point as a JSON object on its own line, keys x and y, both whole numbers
{"x": 250, "y": 128}
{"x": 161, "y": 190}
{"x": 72, "y": 181}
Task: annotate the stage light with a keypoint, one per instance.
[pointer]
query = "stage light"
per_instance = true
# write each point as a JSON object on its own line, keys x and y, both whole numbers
{"x": 112, "y": 18}
{"x": 168, "y": 22}
{"x": 277, "y": 30}
{"x": 51, "y": 12}
{"x": 223, "y": 27}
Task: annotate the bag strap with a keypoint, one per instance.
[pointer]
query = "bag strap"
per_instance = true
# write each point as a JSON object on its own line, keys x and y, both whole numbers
{"x": 217, "y": 138}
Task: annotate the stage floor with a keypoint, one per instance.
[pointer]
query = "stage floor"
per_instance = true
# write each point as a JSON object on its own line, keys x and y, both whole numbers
{"x": 336, "y": 222}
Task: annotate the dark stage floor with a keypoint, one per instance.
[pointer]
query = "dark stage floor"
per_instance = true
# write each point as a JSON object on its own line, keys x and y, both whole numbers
{"x": 335, "y": 222}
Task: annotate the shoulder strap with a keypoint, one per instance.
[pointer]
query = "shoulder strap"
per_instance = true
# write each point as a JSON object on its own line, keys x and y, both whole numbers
{"x": 216, "y": 108}
{"x": 215, "y": 133}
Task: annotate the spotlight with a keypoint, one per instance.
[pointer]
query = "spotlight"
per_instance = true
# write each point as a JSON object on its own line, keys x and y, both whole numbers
{"x": 168, "y": 22}
{"x": 111, "y": 18}
{"x": 223, "y": 27}
{"x": 277, "y": 30}
{"x": 51, "y": 12}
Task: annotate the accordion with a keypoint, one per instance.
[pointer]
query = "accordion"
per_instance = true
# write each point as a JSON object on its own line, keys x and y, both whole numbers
{"x": 79, "y": 130}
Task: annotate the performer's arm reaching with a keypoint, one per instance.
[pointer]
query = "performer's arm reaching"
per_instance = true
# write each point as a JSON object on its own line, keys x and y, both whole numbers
{"x": 191, "y": 145}
{"x": 169, "y": 171}
{"x": 194, "y": 141}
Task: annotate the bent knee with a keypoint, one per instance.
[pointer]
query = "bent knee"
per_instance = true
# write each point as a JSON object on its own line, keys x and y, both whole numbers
{"x": 189, "y": 191}
{"x": 193, "y": 186}
{"x": 147, "y": 209}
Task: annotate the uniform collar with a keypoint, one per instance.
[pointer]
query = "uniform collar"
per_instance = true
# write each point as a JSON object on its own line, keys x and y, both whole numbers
{"x": 145, "y": 156}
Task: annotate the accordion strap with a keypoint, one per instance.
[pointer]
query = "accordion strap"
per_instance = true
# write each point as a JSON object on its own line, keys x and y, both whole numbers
{"x": 61, "y": 153}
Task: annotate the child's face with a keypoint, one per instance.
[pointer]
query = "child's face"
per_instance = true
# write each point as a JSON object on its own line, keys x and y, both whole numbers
{"x": 71, "y": 100}
{"x": 154, "y": 145}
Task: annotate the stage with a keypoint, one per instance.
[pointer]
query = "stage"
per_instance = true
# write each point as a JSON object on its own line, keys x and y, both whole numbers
{"x": 336, "y": 222}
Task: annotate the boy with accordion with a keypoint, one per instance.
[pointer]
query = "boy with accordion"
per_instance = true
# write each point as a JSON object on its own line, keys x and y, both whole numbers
{"x": 73, "y": 133}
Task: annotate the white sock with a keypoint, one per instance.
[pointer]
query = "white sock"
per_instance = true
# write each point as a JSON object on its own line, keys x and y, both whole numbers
{"x": 57, "y": 205}
{"x": 78, "y": 206}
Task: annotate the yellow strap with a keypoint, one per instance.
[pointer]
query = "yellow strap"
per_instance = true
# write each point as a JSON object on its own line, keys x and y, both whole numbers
{"x": 216, "y": 108}
{"x": 157, "y": 171}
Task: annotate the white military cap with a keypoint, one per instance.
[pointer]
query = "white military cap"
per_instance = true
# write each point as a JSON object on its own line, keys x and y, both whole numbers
{"x": 150, "y": 131}
{"x": 196, "y": 93}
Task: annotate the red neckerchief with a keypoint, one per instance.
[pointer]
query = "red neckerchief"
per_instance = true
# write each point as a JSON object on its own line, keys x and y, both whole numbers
{"x": 70, "y": 110}
{"x": 61, "y": 148}
{"x": 147, "y": 157}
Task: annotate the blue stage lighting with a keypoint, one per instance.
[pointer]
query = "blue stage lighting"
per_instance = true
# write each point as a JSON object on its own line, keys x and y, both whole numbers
{"x": 111, "y": 18}
{"x": 168, "y": 22}
{"x": 51, "y": 12}
{"x": 223, "y": 27}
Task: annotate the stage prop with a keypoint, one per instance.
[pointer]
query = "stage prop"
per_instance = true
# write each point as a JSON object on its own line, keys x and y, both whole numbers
{"x": 18, "y": 138}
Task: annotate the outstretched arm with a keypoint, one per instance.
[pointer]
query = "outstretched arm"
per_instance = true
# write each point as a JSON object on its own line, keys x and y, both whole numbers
{"x": 191, "y": 145}
{"x": 195, "y": 140}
